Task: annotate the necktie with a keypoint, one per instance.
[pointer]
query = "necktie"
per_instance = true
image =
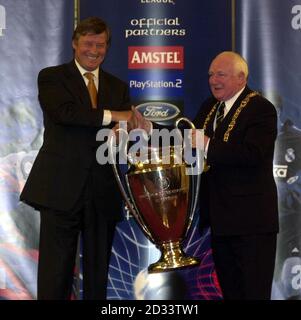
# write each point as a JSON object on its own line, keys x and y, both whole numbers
{"x": 220, "y": 114}
{"x": 92, "y": 89}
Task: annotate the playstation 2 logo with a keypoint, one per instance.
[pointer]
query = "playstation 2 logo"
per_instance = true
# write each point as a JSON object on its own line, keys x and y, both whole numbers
{"x": 2, "y": 20}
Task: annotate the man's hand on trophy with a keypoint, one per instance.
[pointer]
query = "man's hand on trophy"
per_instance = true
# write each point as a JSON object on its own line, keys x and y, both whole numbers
{"x": 137, "y": 121}
{"x": 130, "y": 120}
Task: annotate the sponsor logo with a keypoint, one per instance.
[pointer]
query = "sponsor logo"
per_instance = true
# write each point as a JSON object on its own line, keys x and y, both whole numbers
{"x": 2, "y": 20}
{"x": 156, "y": 84}
{"x": 280, "y": 171}
{"x": 177, "y": 83}
{"x": 158, "y": 111}
{"x": 153, "y": 57}
{"x": 290, "y": 155}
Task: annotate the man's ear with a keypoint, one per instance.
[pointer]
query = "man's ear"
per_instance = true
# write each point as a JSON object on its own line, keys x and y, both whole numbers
{"x": 242, "y": 77}
{"x": 74, "y": 44}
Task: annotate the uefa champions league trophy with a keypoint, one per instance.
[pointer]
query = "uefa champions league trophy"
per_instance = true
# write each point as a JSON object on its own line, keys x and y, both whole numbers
{"x": 162, "y": 197}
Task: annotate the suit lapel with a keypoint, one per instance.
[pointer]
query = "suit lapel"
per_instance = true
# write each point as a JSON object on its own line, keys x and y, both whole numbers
{"x": 77, "y": 84}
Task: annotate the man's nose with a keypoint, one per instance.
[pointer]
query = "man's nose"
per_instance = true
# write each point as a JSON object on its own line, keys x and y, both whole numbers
{"x": 213, "y": 78}
{"x": 93, "y": 48}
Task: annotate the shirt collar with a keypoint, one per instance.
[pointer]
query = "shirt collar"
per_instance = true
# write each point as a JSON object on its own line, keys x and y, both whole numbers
{"x": 83, "y": 71}
{"x": 229, "y": 103}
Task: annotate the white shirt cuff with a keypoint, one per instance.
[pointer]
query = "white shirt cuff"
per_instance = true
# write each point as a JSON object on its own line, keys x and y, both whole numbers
{"x": 107, "y": 117}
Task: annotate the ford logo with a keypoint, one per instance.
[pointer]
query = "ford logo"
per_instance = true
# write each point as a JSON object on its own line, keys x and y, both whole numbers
{"x": 158, "y": 111}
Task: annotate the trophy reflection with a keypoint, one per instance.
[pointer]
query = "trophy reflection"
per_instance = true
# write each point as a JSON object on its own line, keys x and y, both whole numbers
{"x": 162, "y": 198}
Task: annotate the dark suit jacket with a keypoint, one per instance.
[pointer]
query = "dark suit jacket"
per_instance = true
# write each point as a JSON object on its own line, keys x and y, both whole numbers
{"x": 238, "y": 194}
{"x": 67, "y": 158}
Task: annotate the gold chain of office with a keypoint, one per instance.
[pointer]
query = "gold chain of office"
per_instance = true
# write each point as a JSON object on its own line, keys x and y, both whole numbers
{"x": 235, "y": 116}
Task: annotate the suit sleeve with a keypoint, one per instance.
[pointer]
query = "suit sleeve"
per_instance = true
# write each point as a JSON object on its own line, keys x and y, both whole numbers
{"x": 61, "y": 104}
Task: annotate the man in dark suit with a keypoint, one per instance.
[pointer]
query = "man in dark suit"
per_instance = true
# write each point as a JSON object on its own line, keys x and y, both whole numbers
{"x": 73, "y": 193}
{"x": 238, "y": 197}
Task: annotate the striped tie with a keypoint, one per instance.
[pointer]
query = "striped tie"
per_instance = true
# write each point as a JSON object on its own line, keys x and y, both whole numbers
{"x": 220, "y": 114}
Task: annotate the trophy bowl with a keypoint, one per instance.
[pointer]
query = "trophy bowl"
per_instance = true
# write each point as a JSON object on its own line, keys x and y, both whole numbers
{"x": 162, "y": 198}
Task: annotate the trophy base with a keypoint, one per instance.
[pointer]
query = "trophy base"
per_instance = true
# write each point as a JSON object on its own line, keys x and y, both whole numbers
{"x": 172, "y": 258}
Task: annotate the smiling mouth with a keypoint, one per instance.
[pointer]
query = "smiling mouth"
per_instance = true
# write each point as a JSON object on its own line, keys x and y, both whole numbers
{"x": 92, "y": 58}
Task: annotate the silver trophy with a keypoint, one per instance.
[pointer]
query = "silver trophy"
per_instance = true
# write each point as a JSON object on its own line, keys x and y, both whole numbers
{"x": 162, "y": 197}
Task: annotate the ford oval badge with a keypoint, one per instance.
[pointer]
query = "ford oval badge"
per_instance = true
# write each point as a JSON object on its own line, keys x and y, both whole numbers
{"x": 158, "y": 111}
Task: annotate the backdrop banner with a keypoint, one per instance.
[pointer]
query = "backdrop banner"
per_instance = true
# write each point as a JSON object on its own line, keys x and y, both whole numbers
{"x": 33, "y": 35}
{"x": 163, "y": 50}
{"x": 268, "y": 36}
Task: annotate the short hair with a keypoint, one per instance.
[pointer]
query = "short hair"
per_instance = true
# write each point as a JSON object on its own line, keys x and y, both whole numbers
{"x": 93, "y": 25}
{"x": 240, "y": 63}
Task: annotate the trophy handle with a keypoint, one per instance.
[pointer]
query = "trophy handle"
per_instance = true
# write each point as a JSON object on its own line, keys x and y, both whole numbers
{"x": 131, "y": 207}
{"x": 195, "y": 185}
{"x": 191, "y": 124}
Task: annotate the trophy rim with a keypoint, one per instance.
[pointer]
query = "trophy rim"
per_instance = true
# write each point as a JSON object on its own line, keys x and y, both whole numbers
{"x": 153, "y": 168}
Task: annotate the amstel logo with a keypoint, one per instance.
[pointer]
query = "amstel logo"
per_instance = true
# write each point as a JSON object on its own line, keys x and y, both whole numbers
{"x": 156, "y": 57}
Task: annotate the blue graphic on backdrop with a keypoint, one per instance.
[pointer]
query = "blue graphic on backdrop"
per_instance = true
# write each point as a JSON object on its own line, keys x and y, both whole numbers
{"x": 287, "y": 172}
{"x": 132, "y": 253}
{"x": 271, "y": 44}
{"x": 32, "y": 36}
